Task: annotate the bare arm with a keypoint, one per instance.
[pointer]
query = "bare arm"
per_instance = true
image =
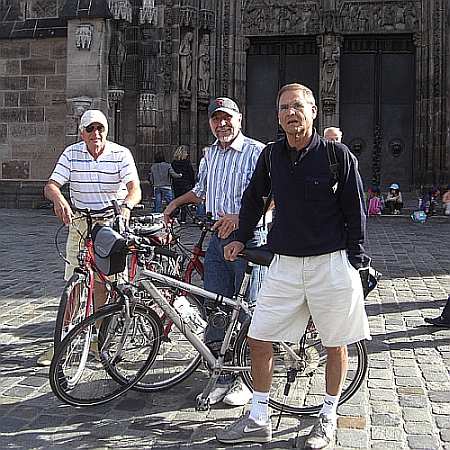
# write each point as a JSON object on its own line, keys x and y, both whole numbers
{"x": 133, "y": 197}
{"x": 184, "y": 199}
{"x": 61, "y": 206}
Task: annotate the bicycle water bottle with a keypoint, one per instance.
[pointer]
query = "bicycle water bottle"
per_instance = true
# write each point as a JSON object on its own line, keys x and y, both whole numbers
{"x": 188, "y": 313}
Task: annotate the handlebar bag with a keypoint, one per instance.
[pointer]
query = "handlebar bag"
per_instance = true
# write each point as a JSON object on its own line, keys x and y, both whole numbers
{"x": 110, "y": 249}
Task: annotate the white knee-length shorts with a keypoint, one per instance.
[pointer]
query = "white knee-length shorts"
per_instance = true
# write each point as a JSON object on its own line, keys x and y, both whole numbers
{"x": 327, "y": 287}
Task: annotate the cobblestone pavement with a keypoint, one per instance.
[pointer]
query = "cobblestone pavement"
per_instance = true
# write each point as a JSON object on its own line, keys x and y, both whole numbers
{"x": 403, "y": 404}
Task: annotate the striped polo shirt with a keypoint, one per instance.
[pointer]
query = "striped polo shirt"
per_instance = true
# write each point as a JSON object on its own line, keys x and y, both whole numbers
{"x": 225, "y": 173}
{"x": 94, "y": 183}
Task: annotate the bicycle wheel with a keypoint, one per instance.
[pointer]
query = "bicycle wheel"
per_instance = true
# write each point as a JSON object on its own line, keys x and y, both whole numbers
{"x": 80, "y": 375}
{"x": 177, "y": 359}
{"x": 307, "y": 387}
{"x": 72, "y": 306}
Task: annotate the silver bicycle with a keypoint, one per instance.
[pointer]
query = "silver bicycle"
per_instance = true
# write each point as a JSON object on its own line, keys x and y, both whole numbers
{"x": 161, "y": 319}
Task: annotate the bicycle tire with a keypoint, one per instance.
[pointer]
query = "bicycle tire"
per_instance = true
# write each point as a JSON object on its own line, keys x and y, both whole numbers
{"x": 72, "y": 306}
{"x": 86, "y": 381}
{"x": 306, "y": 392}
{"x": 177, "y": 358}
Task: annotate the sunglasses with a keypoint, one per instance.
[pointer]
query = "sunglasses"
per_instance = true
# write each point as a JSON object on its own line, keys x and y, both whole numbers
{"x": 91, "y": 128}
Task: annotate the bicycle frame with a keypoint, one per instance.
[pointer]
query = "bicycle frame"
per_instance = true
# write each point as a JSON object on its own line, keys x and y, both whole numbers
{"x": 194, "y": 262}
{"x": 144, "y": 280}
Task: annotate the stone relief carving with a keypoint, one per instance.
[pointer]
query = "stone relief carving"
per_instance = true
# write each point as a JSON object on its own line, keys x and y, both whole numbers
{"x": 203, "y": 65}
{"x": 386, "y": 16}
{"x": 148, "y": 51}
{"x": 293, "y": 17}
{"x": 147, "y": 102}
{"x": 357, "y": 146}
{"x": 185, "y": 53}
{"x": 188, "y": 16}
{"x": 275, "y": 16}
{"x": 376, "y": 155}
{"x": 168, "y": 20}
{"x": 83, "y": 36}
{"x": 80, "y": 106}
{"x": 206, "y": 19}
{"x": 396, "y": 147}
{"x": 121, "y": 10}
{"x": 148, "y": 13}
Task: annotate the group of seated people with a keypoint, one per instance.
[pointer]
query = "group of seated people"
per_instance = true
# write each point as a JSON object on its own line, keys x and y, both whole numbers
{"x": 393, "y": 203}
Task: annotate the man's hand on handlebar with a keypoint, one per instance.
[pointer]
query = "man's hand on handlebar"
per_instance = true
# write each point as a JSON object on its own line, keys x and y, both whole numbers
{"x": 226, "y": 224}
{"x": 168, "y": 212}
{"x": 232, "y": 250}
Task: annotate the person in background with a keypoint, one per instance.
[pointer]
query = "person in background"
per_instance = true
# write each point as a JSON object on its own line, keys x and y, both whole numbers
{"x": 97, "y": 172}
{"x": 316, "y": 273}
{"x": 446, "y": 201}
{"x": 394, "y": 200}
{"x": 181, "y": 164}
{"x": 376, "y": 207}
{"x": 333, "y": 134}
{"x": 430, "y": 203}
{"x": 160, "y": 177}
{"x": 224, "y": 174}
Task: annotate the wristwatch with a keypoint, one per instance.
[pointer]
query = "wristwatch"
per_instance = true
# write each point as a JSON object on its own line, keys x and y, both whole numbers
{"x": 127, "y": 205}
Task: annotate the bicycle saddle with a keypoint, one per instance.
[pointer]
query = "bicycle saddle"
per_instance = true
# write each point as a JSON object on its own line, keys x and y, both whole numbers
{"x": 261, "y": 256}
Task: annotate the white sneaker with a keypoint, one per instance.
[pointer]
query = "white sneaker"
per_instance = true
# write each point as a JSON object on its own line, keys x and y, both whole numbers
{"x": 238, "y": 395}
{"x": 218, "y": 393}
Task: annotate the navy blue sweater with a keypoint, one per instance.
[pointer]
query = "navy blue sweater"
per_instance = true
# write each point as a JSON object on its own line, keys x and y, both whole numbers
{"x": 310, "y": 217}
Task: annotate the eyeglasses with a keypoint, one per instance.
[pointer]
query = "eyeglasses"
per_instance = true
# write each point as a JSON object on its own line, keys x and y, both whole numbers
{"x": 91, "y": 128}
{"x": 296, "y": 105}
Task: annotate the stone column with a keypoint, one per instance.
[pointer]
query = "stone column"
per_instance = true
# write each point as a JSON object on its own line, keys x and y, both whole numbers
{"x": 87, "y": 59}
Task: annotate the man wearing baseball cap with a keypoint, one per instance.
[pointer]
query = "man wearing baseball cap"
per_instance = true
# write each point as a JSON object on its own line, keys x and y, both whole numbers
{"x": 224, "y": 173}
{"x": 97, "y": 171}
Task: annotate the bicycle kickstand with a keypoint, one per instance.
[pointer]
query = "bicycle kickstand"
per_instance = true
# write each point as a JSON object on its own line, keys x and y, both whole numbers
{"x": 290, "y": 379}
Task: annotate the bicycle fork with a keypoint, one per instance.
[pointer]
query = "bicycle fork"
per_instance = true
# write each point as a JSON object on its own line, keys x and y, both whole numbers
{"x": 202, "y": 401}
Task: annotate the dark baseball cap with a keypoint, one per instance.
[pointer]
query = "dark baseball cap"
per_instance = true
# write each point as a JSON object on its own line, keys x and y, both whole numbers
{"x": 223, "y": 104}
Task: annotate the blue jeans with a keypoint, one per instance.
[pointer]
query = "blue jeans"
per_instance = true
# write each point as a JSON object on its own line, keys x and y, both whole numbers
{"x": 224, "y": 278}
{"x": 159, "y": 193}
{"x": 200, "y": 211}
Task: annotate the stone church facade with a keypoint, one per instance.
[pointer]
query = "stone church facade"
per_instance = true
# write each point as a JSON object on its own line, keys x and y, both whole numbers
{"x": 379, "y": 70}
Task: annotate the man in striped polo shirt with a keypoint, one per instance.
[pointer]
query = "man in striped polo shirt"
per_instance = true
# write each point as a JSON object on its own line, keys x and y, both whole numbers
{"x": 97, "y": 171}
{"x": 224, "y": 173}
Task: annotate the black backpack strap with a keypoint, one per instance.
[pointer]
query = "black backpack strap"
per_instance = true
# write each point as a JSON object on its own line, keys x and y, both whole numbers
{"x": 332, "y": 160}
{"x": 268, "y": 161}
{"x": 333, "y": 164}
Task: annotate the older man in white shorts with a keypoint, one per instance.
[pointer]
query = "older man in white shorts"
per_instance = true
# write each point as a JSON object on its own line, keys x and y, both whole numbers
{"x": 317, "y": 238}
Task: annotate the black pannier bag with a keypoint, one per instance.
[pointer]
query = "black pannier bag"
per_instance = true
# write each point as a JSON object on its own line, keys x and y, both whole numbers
{"x": 110, "y": 249}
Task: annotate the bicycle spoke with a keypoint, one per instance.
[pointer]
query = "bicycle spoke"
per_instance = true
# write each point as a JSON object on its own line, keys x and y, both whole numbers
{"x": 306, "y": 370}
{"x": 177, "y": 359}
{"x": 85, "y": 372}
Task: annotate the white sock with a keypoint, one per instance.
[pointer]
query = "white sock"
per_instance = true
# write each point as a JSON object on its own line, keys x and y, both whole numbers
{"x": 260, "y": 408}
{"x": 330, "y": 404}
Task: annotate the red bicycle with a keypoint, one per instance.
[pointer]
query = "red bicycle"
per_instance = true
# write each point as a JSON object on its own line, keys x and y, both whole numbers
{"x": 77, "y": 299}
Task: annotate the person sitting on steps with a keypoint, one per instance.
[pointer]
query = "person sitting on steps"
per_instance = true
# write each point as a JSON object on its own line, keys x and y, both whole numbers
{"x": 394, "y": 199}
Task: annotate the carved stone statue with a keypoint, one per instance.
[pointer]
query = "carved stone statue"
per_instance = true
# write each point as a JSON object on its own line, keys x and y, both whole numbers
{"x": 330, "y": 65}
{"x": 186, "y": 61}
{"x": 147, "y": 56}
{"x": 117, "y": 57}
{"x": 203, "y": 65}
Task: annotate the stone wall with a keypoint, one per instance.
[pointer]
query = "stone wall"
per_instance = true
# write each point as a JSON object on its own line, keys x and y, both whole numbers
{"x": 32, "y": 106}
